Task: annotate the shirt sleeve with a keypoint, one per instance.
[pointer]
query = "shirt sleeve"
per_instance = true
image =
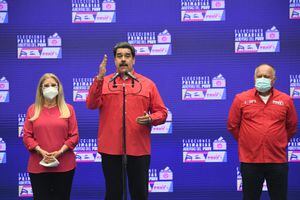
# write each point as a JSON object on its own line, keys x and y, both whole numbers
{"x": 94, "y": 98}
{"x": 292, "y": 120}
{"x": 73, "y": 136}
{"x": 28, "y": 137}
{"x": 234, "y": 118}
{"x": 158, "y": 109}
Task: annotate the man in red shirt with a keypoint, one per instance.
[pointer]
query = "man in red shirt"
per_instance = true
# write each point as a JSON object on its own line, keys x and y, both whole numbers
{"x": 263, "y": 120}
{"x": 143, "y": 108}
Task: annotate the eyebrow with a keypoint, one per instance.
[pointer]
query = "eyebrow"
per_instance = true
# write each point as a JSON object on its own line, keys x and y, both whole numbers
{"x": 124, "y": 54}
{"x": 264, "y": 75}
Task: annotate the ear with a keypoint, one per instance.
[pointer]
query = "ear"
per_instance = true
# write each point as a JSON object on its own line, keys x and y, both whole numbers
{"x": 273, "y": 80}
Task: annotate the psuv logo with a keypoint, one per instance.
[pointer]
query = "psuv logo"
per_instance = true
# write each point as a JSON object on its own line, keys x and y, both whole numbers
{"x": 30, "y": 53}
{"x": 294, "y": 157}
{"x": 279, "y": 102}
{"x": 78, "y": 96}
{"x": 192, "y": 94}
{"x": 242, "y": 47}
{"x": 295, "y": 14}
{"x": 84, "y": 17}
{"x": 25, "y": 191}
{"x": 187, "y": 16}
{"x": 78, "y": 157}
{"x": 250, "y": 101}
{"x": 23, "y": 53}
{"x": 296, "y": 93}
{"x": 194, "y": 156}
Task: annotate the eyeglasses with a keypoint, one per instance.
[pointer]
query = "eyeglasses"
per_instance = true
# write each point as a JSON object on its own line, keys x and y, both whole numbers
{"x": 49, "y": 85}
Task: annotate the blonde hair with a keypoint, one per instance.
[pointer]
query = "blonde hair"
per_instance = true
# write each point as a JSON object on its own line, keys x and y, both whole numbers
{"x": 40, "y": 100}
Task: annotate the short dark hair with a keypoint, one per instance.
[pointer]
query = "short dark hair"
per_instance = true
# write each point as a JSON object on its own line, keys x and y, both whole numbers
{"x": 124, "y": 45}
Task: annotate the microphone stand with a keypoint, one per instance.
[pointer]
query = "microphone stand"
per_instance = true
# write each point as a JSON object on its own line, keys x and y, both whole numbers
{"x": 124, "y": 154}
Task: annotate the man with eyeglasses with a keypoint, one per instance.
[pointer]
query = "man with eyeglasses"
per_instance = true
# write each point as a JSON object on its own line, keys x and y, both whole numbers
{"x": 144, "y": 107}
{"x": 263, "y": 120}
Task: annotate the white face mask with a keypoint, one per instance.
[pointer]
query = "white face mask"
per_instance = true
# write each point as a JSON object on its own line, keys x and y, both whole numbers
{"x": 263, "y": 84}
{"x": 50, "y": 92}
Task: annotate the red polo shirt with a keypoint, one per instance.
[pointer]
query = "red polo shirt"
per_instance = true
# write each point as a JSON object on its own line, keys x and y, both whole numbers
{"x": 144, "y": 96}
{"x": 262, "y": 130}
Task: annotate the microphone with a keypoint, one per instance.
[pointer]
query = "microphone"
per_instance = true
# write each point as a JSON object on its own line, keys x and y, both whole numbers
{"x": 114, "y": 77}
{"x": 131, "y": 76}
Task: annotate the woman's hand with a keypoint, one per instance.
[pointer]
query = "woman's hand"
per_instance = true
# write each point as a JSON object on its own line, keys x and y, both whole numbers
{"x": 47, "y": 157}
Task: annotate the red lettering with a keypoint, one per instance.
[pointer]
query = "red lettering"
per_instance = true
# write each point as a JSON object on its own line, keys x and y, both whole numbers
{"x": 214, "y": 16}
{"x": 104, "y": 18}
{"x": 213, "y": 94}
{"x": 162, "y": 187}
{"x": 267, "y": 47}
{"x": 158, "y": 50}
{"x": 49, "y": 53}
{"x": 215, "y": 157}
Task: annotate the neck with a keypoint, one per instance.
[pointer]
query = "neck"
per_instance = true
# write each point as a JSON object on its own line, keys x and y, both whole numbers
{"x": 123, "y": 76}
{"x": 264, "y": 93}
{"x": 50, "y": 103}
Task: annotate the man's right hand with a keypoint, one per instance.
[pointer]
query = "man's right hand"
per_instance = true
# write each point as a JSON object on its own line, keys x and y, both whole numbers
{"x": 102, "y": 68}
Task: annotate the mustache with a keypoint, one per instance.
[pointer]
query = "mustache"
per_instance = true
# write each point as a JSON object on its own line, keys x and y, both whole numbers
{"x": 123, "y": 64}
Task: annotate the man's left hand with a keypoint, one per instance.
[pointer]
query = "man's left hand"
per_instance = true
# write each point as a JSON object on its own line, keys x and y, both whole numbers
{"x": 144, "y": 120}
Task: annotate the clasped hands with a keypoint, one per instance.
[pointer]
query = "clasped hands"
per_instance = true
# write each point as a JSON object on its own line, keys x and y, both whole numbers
{"x": 49, "y": 157}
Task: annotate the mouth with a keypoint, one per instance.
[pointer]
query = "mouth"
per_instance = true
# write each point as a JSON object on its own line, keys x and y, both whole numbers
{"x": 123, "y": 68}
{"x": 123, "y": 65}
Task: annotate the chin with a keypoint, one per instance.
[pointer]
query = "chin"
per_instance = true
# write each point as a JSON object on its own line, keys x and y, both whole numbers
{"x": 123, "y": 70}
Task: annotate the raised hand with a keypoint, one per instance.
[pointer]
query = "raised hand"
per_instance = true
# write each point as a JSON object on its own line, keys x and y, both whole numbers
{"x": 102, "y": 67}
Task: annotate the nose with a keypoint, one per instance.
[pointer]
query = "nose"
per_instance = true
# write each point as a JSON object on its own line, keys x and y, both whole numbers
{"x": 123, "y": 58}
